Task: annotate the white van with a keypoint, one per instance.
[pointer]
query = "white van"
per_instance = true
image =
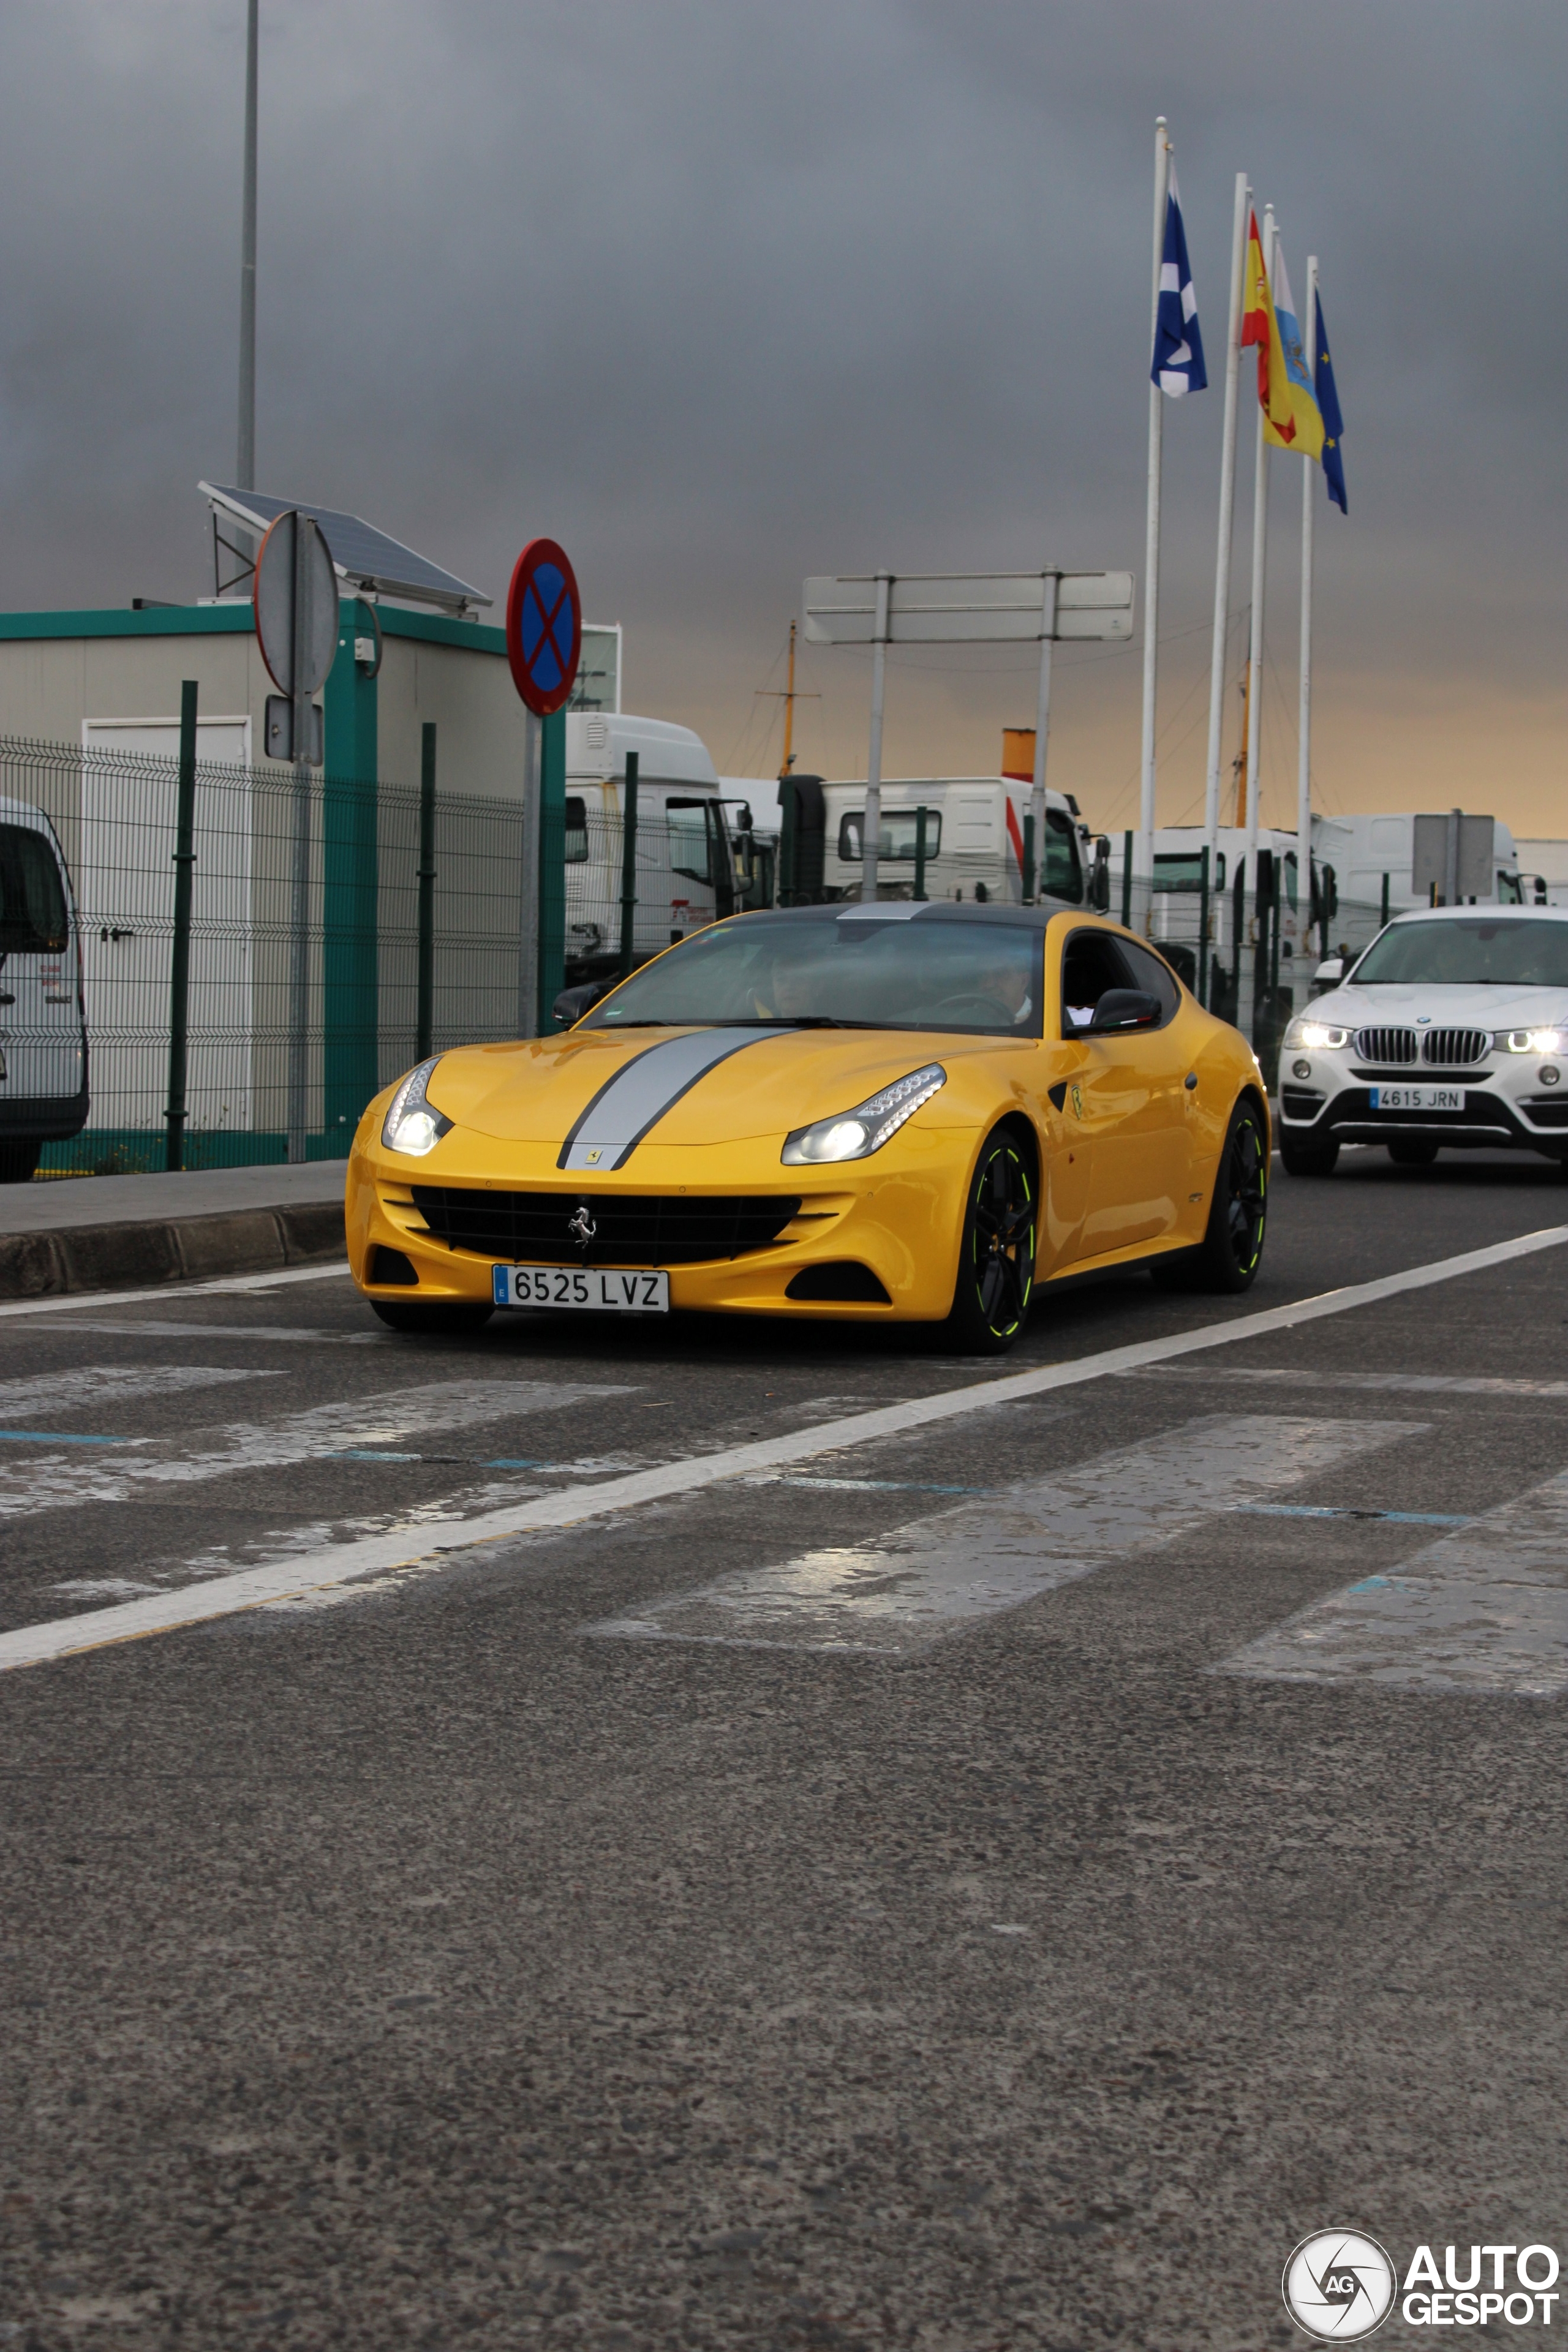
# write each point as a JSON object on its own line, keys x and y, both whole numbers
{"x": 1363, "y": 849}
{"x": 43, "y": 1036}
{"x": 973, "y": 841}
{"x": 684, "y": 875}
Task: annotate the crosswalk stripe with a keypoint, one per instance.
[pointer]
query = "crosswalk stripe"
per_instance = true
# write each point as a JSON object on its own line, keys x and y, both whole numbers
{"x": 1483, "y": 1610}
{"x": 904, "y": 1589}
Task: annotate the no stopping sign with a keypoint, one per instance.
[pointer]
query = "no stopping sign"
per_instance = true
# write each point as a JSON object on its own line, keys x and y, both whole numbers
{"x": 543, "y": 627}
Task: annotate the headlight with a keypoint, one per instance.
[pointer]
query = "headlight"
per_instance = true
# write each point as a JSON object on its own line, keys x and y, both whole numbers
{"x": 1314, "y": 1037}
{"x": 855, "y": 1134}
{"x": 1529, "y": 1041}
{"x": 413, "y": 1124}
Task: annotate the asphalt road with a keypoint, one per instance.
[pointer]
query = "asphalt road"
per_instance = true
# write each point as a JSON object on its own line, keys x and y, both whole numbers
{"x": 998, "y": 1883}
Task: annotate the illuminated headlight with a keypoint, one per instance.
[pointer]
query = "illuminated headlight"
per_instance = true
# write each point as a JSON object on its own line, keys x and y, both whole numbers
{"x": 1314, "y": 1037}
{"x": 413, "y": 1124}
{"x": 1529, "y": 1041}
{"x": 855, "y": 1134}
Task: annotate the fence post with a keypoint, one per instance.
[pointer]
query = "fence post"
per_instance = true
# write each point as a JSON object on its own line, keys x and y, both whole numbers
{"x": 630, "y": 864}
{"x": 921, "y": 852}
{"x": 1385, "y": 915}
{"x": 425, "y": 1016}
{"x": 787, "y": 843}
{"x": 1028, "y": 858}
{"x": 1127, "y": 881}
{"x": 1202, "y": 959}
{"x": 180, "y": 961}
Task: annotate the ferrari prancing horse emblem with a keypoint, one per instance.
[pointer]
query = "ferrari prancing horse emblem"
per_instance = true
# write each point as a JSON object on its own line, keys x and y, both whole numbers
{"x": 582, "y": 1227}
{"x": 1078, "y": 1102}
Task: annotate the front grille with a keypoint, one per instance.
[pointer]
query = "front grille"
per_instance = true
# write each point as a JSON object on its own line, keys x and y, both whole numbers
{"x": 1388, "y": 1048}
{"x": 630, "y": 1228}
{"x": 1453, "y": 1048}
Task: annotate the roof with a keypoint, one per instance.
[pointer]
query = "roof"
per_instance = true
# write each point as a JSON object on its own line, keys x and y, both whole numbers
{"x": 363, "y": 556}
{"x": 1487, "y": 912}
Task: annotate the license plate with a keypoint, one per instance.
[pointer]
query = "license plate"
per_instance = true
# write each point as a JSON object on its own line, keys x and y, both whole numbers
{"x": 1418, "y": 1097}
{"x": 599, "y": 1290}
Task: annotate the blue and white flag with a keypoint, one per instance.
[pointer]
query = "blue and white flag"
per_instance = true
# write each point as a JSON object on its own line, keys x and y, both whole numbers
{"x": 1178, "y": 361}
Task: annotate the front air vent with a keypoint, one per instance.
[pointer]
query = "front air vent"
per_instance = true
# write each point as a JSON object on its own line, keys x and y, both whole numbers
{"x": 1454, "y": 1049}
{"x": 1389, "y": 1048}
{"x": 573, "y": 1228}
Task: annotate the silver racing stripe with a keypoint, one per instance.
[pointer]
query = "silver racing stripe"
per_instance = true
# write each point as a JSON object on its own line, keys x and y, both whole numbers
{"x": 643, "y": 1089}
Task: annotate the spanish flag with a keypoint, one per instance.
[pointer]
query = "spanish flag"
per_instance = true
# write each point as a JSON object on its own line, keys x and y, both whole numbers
{"x": 1291, "y": 417}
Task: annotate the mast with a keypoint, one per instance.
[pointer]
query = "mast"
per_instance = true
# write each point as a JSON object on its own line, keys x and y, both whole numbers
{"x": 788, "y": 761}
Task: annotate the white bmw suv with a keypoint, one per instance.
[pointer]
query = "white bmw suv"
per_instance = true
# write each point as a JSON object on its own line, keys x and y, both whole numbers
{"x": 1451, "y": 1032}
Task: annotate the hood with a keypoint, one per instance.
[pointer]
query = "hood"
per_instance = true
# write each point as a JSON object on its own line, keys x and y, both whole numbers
{"x": 1443, "y": 1006}
{"x": 604, "y": 1091}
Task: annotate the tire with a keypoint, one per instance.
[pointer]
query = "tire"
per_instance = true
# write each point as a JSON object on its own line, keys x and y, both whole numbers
{"x": 452, "y": 1315}
{"x": 1300, "y": 1156}
{"x": 18, "y": 1159}
{"x": 1412, "y": 1154}
{"x": 1231, "y": 1250}
{"x": 996, "y": 1252}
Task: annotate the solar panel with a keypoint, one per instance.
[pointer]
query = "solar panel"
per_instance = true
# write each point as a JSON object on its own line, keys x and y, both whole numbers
{"x": 365, "y": 557}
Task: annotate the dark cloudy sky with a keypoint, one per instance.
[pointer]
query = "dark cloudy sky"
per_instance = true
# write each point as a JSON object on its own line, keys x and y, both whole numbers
{"x": 722, "y": 293}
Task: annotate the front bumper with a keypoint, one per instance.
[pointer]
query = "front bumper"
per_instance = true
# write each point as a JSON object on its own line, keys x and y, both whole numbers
{"x": 1495, "y": 1117}
{"x": 898, "y": 1214}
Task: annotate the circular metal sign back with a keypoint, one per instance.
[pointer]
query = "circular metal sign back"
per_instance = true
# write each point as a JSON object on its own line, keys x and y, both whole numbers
{"x": 295, "y": 564}
{"x": 543, "y": 627}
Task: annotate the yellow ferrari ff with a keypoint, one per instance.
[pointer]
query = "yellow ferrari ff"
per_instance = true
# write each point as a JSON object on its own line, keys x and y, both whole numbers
{"x": 899, "y": 1112}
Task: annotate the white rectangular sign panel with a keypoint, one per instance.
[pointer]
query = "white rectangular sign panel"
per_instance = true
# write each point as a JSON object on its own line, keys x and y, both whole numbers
{"x": 984, "y": 608}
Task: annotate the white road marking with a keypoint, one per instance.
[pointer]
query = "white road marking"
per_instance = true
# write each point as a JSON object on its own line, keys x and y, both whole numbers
{"x": 373, "y": 1555}
{"x": 77, "y": 1302}
{"x": 1415, "y": 1383}
{"x": 48, "y": 1483}
{"x": 109, "y": 1385}
{"x": 380, "y": 1337}
{"x": 902, "y": 1590}
{"x": 1485, "y": 1610}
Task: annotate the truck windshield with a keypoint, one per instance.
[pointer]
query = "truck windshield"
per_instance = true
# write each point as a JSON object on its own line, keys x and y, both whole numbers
{"x": 898, "y": 974}
{"x": 1469, "y": 954}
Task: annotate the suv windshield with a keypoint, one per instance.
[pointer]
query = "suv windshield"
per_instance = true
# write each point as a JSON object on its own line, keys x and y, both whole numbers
{"x": 1478, "y": 952}
{"x": 897, "y": 975}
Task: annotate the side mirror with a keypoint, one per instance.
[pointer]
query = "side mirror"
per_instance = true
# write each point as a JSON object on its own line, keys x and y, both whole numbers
{"x": 1099, "y": 874}
{"x": 1327, "y": 975}
{"x": 1120, "y": 1009}
{"x": 573, "y": 1002}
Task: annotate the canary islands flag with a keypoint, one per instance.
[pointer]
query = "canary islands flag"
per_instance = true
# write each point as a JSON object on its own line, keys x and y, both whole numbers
{"x": 1178, "y": 363}
{"x": 1329, "y": 409}
{"x": 1307, "y": 437}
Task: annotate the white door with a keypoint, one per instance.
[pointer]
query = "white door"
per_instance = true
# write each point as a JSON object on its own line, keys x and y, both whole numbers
{"x": 126, "y": 894}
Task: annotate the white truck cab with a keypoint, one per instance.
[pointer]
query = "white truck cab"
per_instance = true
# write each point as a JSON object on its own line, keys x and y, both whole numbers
{"x": 684, "y": 875}
{"x": 43, "y": 1036}
{"x": 975, "y": 841}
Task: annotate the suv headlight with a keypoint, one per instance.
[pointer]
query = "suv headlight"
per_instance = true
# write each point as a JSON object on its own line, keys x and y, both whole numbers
{"x": 855, "y": 1134}
{"x": 1528, "y": 1041}
{"x": 1314, "y": 1037}
{"x": 413, "y": 1124}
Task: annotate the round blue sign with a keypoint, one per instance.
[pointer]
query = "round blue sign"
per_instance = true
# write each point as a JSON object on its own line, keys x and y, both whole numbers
{"x": 543, "y": 627}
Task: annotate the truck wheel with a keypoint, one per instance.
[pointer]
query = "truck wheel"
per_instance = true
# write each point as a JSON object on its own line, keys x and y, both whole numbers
{"x": 18, "y": 1158}
{"x": 1300, "y": 1156}
{"x": 450, "y": 1315}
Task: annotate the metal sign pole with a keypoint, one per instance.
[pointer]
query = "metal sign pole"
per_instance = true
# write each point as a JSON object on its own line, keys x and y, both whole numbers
{"x": 300, "y": 886}
{"x": 180, "y": 968}
{"x": 871, "y": 835}
{"x": 1042, "y": 722}
{"x": 527, "y": 913}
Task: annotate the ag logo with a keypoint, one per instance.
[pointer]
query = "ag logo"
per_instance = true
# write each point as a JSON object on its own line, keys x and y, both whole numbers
{"x": 1339, "y": 2285}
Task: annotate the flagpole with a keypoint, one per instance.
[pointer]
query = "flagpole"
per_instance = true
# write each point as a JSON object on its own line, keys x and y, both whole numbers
{"x": 1304, "y": 749}
{"x": 1144, "y": 867}
{"x": 1227, "y": 532}
{"x": 1246, "y": 1005}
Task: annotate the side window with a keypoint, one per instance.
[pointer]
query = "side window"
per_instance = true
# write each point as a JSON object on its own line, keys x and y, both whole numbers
{"x": 1153, "y": 972}
{"x": 32, "y": 903}
{"x": 690, "y": 844}
{"x": 1063, "y": 875}
{"x": 897, "y": 840}
{"x": 1092, "y": 962}
{"x": 576, "y": 831}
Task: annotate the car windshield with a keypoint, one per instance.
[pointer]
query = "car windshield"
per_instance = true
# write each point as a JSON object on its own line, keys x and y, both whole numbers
{"x": 1469, "y": 953}
{"x": 848, "y": 969}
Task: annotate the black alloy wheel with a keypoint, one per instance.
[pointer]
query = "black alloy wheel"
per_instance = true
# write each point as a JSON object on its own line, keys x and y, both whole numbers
{"x": 440, "y": 1317}
{"x": 1301, "y": 1155}
{"x": 1232, "y": 1248}
{"x": 997, "y": 1254}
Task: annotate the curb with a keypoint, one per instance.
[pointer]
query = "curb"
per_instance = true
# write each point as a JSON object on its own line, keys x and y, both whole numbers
{"x": 184, "y": 1249}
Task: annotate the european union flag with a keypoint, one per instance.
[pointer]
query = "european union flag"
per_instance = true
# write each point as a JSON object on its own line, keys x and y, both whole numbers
{"x": 1178, "y": 363}
{"x": 1329, "y": 409}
